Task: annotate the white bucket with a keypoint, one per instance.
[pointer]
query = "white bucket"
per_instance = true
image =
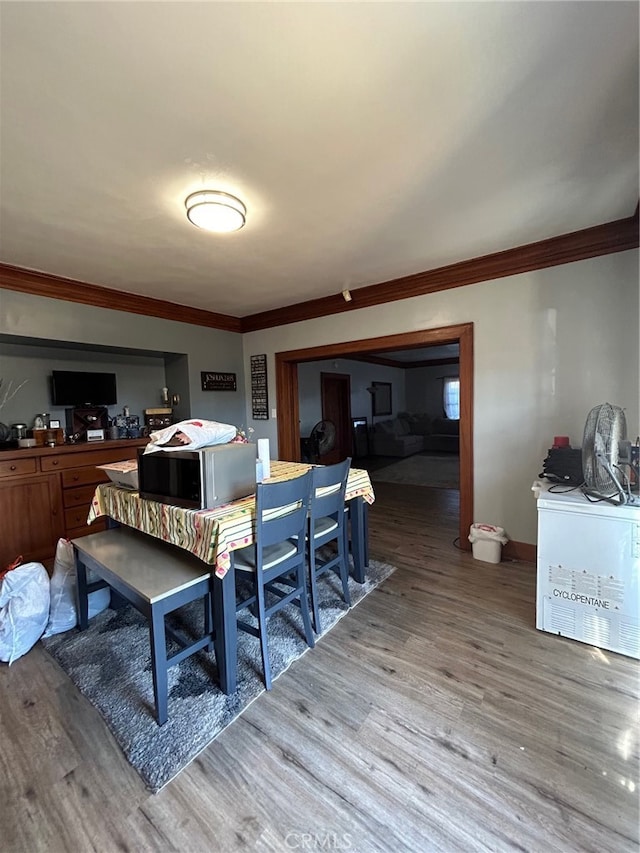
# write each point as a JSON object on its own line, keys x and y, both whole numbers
{"x": 487, "y": 550}
{"x": 487, "y": 541}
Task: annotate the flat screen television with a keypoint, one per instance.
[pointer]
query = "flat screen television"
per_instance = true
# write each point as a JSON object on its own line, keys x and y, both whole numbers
{"x": 78, "y": 388}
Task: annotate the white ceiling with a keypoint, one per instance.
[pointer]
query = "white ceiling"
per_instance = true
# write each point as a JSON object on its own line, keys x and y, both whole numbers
{"x": 368, "y": 140}
{"x": 430, "y": 353}
{"x": 422, "y": 353}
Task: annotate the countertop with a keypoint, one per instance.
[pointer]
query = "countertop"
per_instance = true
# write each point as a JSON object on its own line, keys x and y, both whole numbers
{"x": 80, "y": 447}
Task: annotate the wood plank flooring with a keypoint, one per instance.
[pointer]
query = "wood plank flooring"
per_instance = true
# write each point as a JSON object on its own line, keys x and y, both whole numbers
{"x": 434, "y": 717}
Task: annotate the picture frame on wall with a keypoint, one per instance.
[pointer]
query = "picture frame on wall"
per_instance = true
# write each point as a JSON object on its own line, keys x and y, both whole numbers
{"x": 259, "y": 392}
{"x": 381, "y": 398}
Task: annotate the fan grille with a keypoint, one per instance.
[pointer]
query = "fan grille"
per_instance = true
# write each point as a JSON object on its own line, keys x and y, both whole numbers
{"x": 322, "y": 439}
{"x": 326, "y": 436}
{"x": 604, "y": 429}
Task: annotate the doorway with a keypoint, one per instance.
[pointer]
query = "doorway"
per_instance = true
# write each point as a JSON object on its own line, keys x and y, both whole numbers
{"x": 288, "y": 405}
{"x": 335, "y": 394}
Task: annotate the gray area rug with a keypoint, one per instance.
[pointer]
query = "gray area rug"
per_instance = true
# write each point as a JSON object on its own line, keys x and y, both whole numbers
{"x": 110, "y": 664}
{"x": 422, "y": 469}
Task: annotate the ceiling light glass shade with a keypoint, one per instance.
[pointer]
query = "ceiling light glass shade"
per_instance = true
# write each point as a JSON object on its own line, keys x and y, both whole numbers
{"x": 215, "y": 211}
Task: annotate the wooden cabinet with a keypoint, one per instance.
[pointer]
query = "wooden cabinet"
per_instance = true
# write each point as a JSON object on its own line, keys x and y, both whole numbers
{"x": 45, "y": 493}
{"x": 32, "y": 519}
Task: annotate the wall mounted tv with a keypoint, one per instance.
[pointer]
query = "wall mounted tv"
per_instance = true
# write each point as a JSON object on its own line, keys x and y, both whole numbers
{"x": 77, "y": 388}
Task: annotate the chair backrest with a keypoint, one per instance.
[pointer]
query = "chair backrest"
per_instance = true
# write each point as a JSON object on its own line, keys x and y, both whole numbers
{"x": 328, "y": 487}
{"x": 281, "y": 510}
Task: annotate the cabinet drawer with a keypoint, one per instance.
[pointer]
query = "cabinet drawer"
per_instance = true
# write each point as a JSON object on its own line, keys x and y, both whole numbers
{"x": 81, "y": 496}
{"x": 83, "y": 477}
{"x": 76, "y": 517}
{"x": 16, "y": 467}
{"x": 99, "y": 456}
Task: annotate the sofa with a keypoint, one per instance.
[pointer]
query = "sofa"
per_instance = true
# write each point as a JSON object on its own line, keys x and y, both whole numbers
{"x": 409, "y": 433}
{"x": 444, "y": 436}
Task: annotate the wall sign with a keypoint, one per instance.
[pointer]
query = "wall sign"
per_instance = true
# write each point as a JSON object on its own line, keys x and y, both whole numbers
{"x": 259, "y": 396}
{"x": 218, "y": 381}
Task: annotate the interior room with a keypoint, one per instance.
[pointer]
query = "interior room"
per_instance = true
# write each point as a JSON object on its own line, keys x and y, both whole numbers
{"x": 417, "y": 222}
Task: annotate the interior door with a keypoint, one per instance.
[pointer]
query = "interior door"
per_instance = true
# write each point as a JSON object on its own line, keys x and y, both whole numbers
{"x": 335, "y": 389}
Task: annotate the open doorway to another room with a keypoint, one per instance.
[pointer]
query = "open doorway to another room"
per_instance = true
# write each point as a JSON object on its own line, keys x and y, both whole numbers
{"x": 325, "y": 415}
{"x": 415, "y": 418}
{"x": 404, "y": 391}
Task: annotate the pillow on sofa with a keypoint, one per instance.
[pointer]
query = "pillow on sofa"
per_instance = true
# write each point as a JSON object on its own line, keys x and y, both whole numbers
{"x": 446, "y": 426}
{"x": 418, "y": 424}
{"x": 409, "y": 418}
{"x": 402, "y": 426}
{"x": 385, "y": 427}
{"x": 422, "y": 425}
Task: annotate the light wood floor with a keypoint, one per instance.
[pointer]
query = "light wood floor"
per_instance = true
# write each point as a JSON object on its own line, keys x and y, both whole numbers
{"x": 433, "y": 717}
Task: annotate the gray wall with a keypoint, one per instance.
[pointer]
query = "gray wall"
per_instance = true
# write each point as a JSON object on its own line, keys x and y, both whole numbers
{"x": 145, "y": 352}
{"x": 138, "y": 379}
{"x": 424, "y": 388}
{"x": 415, "y": 389}
{"x": 362, "y": 375}
{"x": 548, "y": 346}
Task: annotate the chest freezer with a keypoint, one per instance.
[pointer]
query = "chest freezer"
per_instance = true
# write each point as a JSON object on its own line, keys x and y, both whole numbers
{"x": 588, "y": 571}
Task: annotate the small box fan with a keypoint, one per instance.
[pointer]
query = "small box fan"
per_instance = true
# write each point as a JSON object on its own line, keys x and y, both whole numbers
{"x": 322, "y": 440}
{"x": 605, "y": 454}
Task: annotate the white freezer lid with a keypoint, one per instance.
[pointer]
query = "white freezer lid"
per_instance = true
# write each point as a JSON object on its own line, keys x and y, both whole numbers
{"x": 576, "y": 501}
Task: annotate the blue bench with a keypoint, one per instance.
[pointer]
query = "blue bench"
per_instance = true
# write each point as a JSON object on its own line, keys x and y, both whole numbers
{"x": 155, "y": 578}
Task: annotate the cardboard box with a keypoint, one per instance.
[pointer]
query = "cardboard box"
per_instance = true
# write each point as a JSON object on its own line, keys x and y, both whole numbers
{"x": 123, "y": 474}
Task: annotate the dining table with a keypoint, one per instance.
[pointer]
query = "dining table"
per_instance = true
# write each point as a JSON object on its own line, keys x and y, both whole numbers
{"x": 212, "y": 535}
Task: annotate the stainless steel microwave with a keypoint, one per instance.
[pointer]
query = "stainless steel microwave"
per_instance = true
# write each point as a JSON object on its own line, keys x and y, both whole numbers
{"x": 198, "y": 479}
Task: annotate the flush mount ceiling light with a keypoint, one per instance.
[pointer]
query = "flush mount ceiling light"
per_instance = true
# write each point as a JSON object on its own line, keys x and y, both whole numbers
{"x": 215, "y": 211}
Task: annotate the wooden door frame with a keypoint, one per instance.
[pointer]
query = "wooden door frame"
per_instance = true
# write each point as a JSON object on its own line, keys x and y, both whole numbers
{"x": 289, "y": 412}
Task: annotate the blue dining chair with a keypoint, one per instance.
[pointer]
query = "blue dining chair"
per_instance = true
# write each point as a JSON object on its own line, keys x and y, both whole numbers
{"x": 275, "y": 564}
{"x": 326, "y": 525}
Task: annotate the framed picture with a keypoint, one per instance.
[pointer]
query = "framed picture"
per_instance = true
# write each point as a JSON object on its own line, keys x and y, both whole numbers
{"x": 381, "y": 398}
{"x": 54, "y": 424}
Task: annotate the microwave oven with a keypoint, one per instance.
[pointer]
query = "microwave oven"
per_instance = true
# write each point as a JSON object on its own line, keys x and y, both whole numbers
{"x": 198, "y": 479}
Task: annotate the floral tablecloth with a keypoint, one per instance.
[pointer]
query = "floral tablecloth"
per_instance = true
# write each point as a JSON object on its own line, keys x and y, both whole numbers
{"x": 210, "y": 534}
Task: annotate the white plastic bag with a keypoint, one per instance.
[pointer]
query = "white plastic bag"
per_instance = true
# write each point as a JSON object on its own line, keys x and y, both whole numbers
{"x": 63, "y": 613}
{"x": 199, "y": 432}
{"x": 24, "y": 609}
{"x": 478, "y": 532}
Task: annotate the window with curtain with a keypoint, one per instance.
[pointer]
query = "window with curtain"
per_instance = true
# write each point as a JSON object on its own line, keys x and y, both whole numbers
{"x": 451, "y": 397}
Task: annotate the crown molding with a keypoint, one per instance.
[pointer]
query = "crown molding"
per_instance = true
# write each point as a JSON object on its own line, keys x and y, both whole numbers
{"x": 611, "y": 237}
{"x": 70, "y": 290}
{"x": 405, "y": 365}
{"x": 617, "y": 236}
